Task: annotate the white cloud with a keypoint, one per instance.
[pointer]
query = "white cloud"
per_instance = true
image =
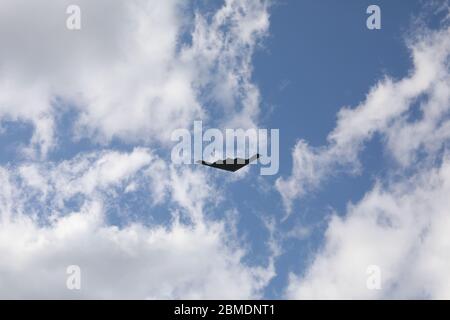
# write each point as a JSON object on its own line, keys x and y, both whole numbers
{"x": 130, "y": 262}
{"x": 86, "y": 175}
{"x": 401, "y": 225}
{"x": 128, "y": 72}
{"x": 179, "y": 260}
{"x": 385, "y": 111}
{"x": 221, "y": 54}
{"x": 403, "y": 229}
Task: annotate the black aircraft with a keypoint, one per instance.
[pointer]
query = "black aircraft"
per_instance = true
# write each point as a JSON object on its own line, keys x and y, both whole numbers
{"x": 230, "y": 164}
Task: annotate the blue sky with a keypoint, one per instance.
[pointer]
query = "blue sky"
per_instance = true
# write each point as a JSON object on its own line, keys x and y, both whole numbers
{"x": 88, "y": 180}
{"x": 319, "y": 57}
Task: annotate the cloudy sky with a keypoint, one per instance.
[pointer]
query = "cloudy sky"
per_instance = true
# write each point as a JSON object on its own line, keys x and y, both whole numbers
{"x": 86, "y": 176}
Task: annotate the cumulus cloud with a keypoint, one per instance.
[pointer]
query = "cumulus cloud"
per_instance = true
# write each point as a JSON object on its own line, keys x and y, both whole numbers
{"x": 134, "y": 72}
{"x": 401, "y": 225}
{"x": 131, "y": 262}
{"x": 385, "y": 111}
{"x": 402, "y": 229}
{"x": 221, "y": 52}
{"x": 136, "y": 260}
{"x": 129, "y": 73}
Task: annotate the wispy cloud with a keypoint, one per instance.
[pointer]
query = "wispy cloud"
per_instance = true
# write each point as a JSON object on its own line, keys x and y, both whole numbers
{"x": 129, "y": 74}
{"x": 384, "y": 111}
{"x": 401, "y": 224}
{"x": 189, "y": 257}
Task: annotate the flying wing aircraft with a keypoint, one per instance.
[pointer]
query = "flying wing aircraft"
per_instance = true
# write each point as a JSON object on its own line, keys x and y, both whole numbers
{"x": 230, "y": 164}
